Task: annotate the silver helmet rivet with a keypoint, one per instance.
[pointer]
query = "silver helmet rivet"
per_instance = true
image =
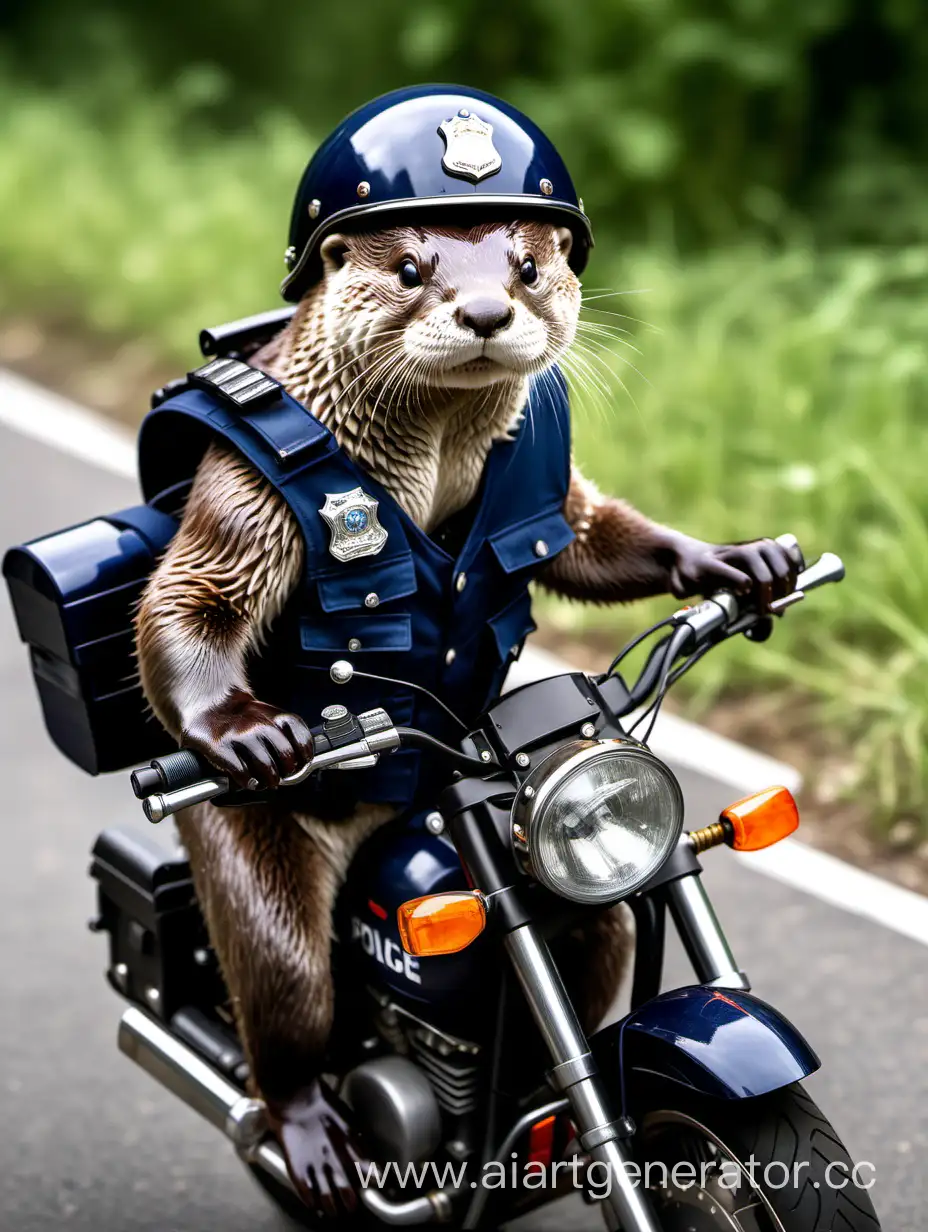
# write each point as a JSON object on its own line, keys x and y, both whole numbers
{"x": 528, "y": 792}
{"x": 541, "y": 548}
{"x": 372, "y": 600}
{"x": 484, "y": 754}
{"x": 522, "y": 759}
{"x": 460, "y": 582}
{"x": 546, "y": 187}
{"x": 364, "y": 189}
{"x": 464, "y": 113}
{"x": 290, "y": 257}
{"x": 588, "y": 730}
{"x": 354, "y": 643}
{"x": 314, "y": 207}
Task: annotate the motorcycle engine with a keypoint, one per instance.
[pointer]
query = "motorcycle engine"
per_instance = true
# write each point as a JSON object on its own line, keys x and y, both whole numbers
{"x": 396, "y": 1109}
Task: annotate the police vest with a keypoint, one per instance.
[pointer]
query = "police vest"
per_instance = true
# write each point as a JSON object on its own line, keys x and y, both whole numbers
{"x": 376, "y": 589}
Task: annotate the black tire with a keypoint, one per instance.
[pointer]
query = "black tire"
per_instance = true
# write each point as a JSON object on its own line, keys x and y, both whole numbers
{"x": 788, "y": 1137}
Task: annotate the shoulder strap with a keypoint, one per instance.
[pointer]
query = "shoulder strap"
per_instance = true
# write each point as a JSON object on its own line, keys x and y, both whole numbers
{"x": 294, "y": 452}
{"x": 230, "y": 400}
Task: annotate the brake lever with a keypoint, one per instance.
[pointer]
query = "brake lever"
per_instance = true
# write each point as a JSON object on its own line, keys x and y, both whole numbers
{"x": 377, "y": 735}
{"x": 828, "y": 568}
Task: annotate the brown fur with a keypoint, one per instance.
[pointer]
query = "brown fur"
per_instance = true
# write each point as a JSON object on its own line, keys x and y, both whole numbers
{"x": 267, "y": 879}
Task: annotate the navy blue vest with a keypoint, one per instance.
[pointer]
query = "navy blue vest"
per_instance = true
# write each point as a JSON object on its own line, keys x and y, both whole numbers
{"x": 452, "y": 625}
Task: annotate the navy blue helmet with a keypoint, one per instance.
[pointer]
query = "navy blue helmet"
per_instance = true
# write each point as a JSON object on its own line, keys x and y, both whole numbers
{"x": 427, "y": 150}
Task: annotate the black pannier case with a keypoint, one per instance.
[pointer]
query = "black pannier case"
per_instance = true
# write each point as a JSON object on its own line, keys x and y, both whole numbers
{"x": 74, "y": 594}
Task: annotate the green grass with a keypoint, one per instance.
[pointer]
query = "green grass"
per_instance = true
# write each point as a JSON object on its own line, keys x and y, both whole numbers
{"x": 776, "y": 389}
{"x": 789, "y": 392}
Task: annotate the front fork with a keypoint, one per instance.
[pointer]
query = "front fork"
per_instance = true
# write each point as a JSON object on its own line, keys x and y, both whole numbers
{"x": 602, "y": 1137}
{"x": 701, "y": 933}
{"x": 574, "y": 1072}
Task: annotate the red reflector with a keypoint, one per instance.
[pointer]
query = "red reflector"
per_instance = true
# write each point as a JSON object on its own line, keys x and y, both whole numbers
{"x": 541, "y": 1141}
{"x": 377, "y": 909}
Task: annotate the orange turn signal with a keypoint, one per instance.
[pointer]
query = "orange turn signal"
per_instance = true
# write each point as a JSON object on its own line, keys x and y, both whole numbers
{"x": 762, "y": 819}
{"x": 441, "y": 923}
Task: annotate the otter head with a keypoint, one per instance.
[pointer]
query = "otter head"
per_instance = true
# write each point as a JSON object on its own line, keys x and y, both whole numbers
{"x": 451, "y": 307}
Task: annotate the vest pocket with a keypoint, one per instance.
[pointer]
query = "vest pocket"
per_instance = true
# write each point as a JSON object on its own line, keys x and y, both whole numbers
{"x": 348, "y": 586}
{"x": 533, "y": 541}
{"x": 512, "y": 625}
{"x": 350, "y": 635}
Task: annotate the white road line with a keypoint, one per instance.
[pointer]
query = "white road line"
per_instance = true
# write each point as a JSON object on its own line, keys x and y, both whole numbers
{"x": 55, "y": 421}
{"x": 64, "y": 425}
{"x": 831, "y": 880}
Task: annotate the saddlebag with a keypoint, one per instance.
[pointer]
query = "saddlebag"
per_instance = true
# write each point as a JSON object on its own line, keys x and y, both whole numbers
{"x": 159, "y": 949}
{"x": 74, "y": 594}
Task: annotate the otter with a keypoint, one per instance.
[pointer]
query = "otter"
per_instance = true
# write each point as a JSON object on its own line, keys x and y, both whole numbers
{"x": 416, "y": 348}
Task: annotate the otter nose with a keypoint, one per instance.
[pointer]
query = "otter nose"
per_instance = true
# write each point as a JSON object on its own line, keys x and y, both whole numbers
{"x": 484, "y": 316}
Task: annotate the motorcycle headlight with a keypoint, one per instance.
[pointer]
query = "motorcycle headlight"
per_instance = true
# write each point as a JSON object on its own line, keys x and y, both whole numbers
{"x": 596, "y": 819}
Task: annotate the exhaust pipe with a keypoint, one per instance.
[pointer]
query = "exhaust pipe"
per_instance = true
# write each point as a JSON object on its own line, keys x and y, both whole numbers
{"x": 241, "y": 1119}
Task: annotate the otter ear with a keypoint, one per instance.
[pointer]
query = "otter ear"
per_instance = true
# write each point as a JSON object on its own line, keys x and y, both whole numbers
{"x": 564, "y": 239}
{"x": 334, "y": 251}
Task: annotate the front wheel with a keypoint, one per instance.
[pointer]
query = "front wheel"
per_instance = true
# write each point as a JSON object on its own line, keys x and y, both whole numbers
{"x": 768, "y": 1164}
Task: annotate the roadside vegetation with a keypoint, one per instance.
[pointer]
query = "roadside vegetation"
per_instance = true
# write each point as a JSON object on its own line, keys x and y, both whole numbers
{"x": 776, "y": 381}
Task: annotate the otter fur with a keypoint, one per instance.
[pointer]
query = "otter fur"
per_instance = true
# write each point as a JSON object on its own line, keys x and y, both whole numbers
{"x": 416, "y": 349}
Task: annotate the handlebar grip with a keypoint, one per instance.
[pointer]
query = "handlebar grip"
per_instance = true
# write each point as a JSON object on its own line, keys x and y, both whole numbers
{"x": 145, "y": 781}
{"x": 170, "y": 772}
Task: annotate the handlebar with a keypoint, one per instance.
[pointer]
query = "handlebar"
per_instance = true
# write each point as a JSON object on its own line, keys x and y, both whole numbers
{"x": 346, "y": 741}
{"x": 724, "y": 610}
{"x": 343, "y": 741}
{"x": 724, "y": 614}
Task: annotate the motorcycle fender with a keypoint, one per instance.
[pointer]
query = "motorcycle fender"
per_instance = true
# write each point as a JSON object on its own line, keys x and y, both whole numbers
{"x": 716, "y": 1041}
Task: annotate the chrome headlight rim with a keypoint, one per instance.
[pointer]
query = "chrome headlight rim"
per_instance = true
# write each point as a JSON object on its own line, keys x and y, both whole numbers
{"x": 540, "y": 786}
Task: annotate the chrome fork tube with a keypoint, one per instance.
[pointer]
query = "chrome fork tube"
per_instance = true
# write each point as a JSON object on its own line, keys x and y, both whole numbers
{"x": 702, "y": 936}
{"x": 627, "y": 1205}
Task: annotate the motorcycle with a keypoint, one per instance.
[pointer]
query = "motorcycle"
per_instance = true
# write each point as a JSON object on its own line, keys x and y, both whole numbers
{"x": 457, "y": 1043}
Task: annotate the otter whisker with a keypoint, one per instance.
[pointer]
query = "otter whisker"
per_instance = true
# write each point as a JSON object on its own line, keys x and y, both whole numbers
{"x": 607, "y": 350}
{"x": 593, "y": 356}
{"x": 599, "y": 331}
{"x": 589, "y": 381}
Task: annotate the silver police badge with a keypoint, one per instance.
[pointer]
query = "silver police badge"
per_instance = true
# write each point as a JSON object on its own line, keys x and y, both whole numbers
{"x": 469, "y": 149}
{"x": 352, "y": 519}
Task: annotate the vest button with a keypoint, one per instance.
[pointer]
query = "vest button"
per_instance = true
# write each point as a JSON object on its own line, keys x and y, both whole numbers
{"x": 541, "y": 548}
{"x": 450, "y": 656}
{"x": 372, "y": 600}
{"x": 460, "y": 582}
{"x": 354, "y": 643}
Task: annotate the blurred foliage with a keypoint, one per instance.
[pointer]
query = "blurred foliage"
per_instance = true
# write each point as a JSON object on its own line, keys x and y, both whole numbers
{"x": 754, "y": 171}
{"x": 683, "y": 117}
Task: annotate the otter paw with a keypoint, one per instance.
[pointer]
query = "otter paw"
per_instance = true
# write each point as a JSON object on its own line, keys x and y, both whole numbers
{"x": 322, "y": 1154}
{"x": 256, "y": 745}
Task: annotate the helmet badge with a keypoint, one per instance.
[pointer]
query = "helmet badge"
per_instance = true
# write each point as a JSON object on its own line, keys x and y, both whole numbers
{"x": 469, "y": 149}
{"x": 352, "y": 519}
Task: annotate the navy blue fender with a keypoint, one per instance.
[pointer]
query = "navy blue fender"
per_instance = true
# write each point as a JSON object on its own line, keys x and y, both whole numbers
{"x": 716, "y": 1041}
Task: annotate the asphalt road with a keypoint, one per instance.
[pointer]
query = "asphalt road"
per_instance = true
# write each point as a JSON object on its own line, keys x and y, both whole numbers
{"x": 90, "y": 1143}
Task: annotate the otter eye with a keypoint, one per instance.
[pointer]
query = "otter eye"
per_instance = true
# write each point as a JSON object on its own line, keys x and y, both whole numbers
{"x": 408, "y": 274}
{"x": 528, "y": 271}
